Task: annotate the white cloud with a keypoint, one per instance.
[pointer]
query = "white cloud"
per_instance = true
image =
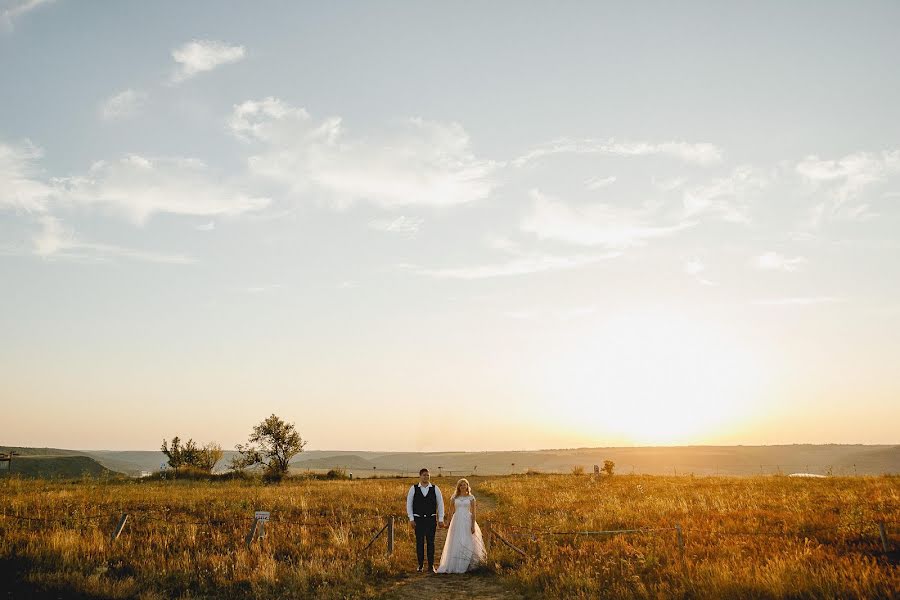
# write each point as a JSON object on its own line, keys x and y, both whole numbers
{"x": 518, "y": 266}
{"x": 772, "y": 261}
{"x": 13, "y": 9}
{"x": 123, "y": 105}
{"x": 420, "y": 163}
{"x": 20, "y": 190}
{"x": 401, "y": 224}
{"x": 138, "y": 187}
{"x": 597, "y": 183}
{"x": 699, "y": 153}
{"x": 206, "y": 226}
{"x": 695, "y": 269}
{"x": 56, "y": 242}
{"x": 726, "y": 197}
{"x": 846, "y": 180}
{"x": 593, "y": 224}
{"x": 199, "y": 56}
{"x": 263, "y": 289}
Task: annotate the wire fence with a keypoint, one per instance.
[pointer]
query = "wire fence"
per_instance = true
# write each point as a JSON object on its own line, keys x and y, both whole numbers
{"x": 503, "y": 531}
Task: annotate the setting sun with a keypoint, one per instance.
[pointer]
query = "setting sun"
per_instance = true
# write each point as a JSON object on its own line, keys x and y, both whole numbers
{"x": 655, "y": 377}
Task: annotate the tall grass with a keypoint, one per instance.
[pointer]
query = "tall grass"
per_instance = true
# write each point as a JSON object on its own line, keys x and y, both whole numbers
{"x": 312, "y": 548}
{"x": 759, "y": 537}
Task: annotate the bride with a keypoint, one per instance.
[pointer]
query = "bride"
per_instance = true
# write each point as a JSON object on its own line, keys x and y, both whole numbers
{"x": 464, "y": 546}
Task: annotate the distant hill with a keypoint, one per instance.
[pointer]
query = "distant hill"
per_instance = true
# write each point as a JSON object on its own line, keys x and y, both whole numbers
{"x": 838, "y": 459}
{"x": 58, "y": 467}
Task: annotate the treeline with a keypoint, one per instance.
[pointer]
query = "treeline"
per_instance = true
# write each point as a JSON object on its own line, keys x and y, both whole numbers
{"x": 271, "y": 446}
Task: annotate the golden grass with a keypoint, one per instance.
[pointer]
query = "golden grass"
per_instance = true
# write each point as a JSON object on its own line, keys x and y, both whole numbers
{"x": 311, "y": 549}
{"x": 759, "y": 537}
{"x": 826, "y": 543}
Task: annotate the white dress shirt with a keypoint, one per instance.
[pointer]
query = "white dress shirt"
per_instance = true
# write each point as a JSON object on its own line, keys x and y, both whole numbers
{"x": 424, "y": 491}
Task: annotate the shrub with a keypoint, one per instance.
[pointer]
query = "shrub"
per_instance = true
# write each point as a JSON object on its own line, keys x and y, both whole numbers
{"x": 578, "y": 470}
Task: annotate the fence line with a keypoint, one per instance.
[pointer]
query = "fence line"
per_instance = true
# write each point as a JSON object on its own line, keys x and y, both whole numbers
{"x": 518, "y": 532}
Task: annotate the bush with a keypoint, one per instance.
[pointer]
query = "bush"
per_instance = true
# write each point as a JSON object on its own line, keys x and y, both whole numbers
{"x": 578, "y": 470}
{"x": 608, "y": 467}
{"x": 337, "y": 473}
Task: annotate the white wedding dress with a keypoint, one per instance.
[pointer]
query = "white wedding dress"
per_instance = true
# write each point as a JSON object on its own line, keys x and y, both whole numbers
{"x": 463, "y": 550}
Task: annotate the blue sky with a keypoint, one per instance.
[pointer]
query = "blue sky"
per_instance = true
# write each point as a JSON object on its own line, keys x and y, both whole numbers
{"x": 435, "y": 226}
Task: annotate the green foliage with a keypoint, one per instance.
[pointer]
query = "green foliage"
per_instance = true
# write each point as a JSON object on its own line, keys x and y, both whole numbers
{"x": 272, "y": 444}
{"x": 191, "y": 455}
{"x": 337, "y": 473}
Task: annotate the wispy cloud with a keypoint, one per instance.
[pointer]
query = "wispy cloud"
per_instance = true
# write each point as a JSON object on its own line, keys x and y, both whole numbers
{"x": 417, "y": 163}
{"x": 593, "y": 224}
{"x": 725, "y": 197}
{"x": 123, "y": 105}
{"x": 20, "y": 186}
{"x": 772, "y": 261}
{"x": 598, "y": 183}
{"x": 695, "y": 269}
{"x": 137, "y": 187}
{"x": 55, "y": 242}
{"x": 518, "y": 266}
{"x": 206, "y": 226}
{"x": 699, "y": 153}
{"x": 13, "y": 9}
{"x": 200, "y": 56}
{"x": 263, "y": 289}
{"x": 401, "y": 224}
{"x": 845, "y": 180}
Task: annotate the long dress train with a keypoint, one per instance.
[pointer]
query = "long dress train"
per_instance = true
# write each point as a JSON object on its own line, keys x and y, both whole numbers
{"x": 463, "y": 550}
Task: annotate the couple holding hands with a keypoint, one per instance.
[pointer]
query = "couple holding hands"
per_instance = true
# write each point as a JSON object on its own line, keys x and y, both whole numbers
{"x": 464, "y": 547}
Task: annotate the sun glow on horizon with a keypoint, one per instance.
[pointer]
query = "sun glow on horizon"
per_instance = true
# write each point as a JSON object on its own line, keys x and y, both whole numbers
{"x": 656, "y": 378}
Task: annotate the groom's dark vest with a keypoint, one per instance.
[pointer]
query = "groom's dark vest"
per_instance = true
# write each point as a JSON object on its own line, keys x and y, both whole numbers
{"x": 424, "y": 506}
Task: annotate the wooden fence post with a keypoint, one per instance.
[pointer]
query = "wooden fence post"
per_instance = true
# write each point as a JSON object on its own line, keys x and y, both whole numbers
{"x": 390, "y": 535}
{"x": 118, "y": 530}
{"x": 680, "y": 538}
{"x": 487, "y": 539}
{"x": 884, "y": 538}
{"x": 252, "y": 535}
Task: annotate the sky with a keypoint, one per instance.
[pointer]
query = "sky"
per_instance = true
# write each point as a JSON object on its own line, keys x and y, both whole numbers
{"x": 449, "y": 226}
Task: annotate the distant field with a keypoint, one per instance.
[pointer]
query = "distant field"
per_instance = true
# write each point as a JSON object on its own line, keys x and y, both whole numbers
{"x": 762, "y": 537}
{"x": 835, "y": 459}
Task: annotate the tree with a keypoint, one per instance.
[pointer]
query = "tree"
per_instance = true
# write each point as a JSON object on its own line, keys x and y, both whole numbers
{"x": 180, "y": 455}
{"x": 190, "y": 454}
{"x": 272, "y": 444}
{"x": 608, "y": 467}
{"x": 208, "y": 456}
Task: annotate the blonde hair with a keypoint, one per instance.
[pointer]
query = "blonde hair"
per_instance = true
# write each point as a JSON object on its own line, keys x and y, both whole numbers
{"x": 458, "y": 484}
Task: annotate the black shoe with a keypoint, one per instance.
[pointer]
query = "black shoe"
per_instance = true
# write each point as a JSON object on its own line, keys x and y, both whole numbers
{"x": 432, "y": 570}
{"x": 419, "y": 570}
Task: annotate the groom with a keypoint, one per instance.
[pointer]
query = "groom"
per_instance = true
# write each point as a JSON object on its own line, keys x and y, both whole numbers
{"x": 425, "y": 509}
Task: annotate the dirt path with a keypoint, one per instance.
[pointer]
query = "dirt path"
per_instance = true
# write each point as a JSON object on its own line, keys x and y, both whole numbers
{"x": 469, "y": 585}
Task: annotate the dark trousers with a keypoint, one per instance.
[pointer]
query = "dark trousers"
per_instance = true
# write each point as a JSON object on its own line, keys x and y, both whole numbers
{"x": 425, "y": 530}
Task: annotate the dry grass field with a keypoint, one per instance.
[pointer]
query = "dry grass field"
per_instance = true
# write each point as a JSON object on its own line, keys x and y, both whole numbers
{"x": 759, "y": 537}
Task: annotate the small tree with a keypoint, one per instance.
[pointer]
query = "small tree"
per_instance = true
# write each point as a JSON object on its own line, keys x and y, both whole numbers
{"x": 208, "y": 456}
{"x": 272, "y": 444}
{"x": 180, "y": 455}
{"x": 190, "y": 454}
{"x": 608, "y": 467}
